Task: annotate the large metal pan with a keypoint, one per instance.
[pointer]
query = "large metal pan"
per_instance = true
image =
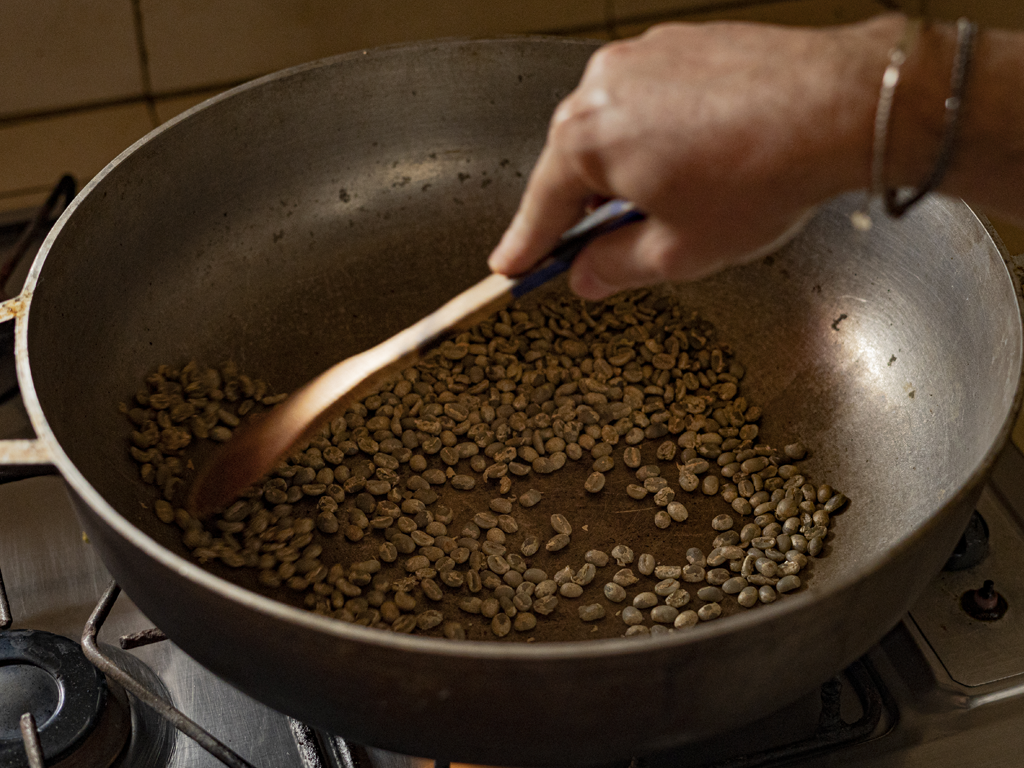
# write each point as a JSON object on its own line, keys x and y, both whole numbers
{"x": 309, "y": 214}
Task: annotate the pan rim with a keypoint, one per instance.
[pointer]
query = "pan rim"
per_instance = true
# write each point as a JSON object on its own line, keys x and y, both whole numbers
{"x": 551, "y": 651}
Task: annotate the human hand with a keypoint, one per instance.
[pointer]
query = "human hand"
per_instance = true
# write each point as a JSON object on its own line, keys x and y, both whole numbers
{"x": 725, "y": 135}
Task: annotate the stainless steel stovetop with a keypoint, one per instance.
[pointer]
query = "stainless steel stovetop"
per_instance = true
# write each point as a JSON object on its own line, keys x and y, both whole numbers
{"x": 942, "y": 689}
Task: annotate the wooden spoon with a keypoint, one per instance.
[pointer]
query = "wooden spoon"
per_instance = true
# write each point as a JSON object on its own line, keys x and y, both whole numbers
{"x": 258, "y": 446}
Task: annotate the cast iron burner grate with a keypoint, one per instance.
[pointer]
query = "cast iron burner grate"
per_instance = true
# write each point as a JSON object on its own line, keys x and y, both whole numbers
{"x": 56, "y": 705}
{"x": 59, "y": 707}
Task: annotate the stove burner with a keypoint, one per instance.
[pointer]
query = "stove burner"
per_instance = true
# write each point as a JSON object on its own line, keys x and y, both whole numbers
{"x": 75, "y": 710}
{"x": 28, "y": 689}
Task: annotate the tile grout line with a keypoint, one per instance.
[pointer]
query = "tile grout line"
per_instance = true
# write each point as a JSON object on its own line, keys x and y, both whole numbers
{"x": 149, "y": 97}
{"x": 140, "y": 42}
{"x": 609, "y": 25}
{"x": 609, "y": 19}
{"x": 107, "y": 103}
{"x": 709, "y": 6}
{"x": 25, "y": 191}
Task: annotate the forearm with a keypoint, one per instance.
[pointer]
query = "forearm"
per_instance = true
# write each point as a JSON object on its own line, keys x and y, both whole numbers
{"x": 728, "y": 135}
{"x": 987, "y": 165}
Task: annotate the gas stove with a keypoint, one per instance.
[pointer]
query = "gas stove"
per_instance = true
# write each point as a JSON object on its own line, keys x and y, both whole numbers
{"x": 944, "y": 688}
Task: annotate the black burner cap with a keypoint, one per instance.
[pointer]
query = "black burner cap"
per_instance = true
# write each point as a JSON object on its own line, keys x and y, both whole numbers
{"x": 49, "y": 676}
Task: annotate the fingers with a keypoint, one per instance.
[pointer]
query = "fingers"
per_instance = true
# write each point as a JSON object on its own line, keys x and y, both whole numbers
{"x": 634, "y": 256}
{"x": 587, "y": 285}
{"x": 639, "y": 255}
{"x": 555, "y": 199}
{"x": 563, "y": 184}
{"x": 608, "y": 264}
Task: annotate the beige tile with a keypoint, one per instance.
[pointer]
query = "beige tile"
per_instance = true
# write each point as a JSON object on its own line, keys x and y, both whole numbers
{"x": 1018, "y": 433}
{"x": 801, "y": 12}
{"x": 172, "y": 106}
{"x": 1012, "y": 234}
{"x": 999, "y": 13}
{"x": 193, "y": 44}
{"x": 1007, "y": 14}
{"x": 23, "y": 201}
{"x": 35, "y": 153}
{"x": 603, "y": 33}
{"x": 625, "y": 10}
{"x": 795, "y": 12}
{"x": 66, "y": 53}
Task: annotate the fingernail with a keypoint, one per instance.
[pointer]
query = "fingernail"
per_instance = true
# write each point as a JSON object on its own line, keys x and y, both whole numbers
{"x": 494, "y": 261}
{"x": 499, "y": 259}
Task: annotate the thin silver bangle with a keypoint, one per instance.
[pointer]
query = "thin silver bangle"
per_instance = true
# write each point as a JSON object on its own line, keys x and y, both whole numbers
{"x": 897, "y": 202}
{"x": 861, "y": 218}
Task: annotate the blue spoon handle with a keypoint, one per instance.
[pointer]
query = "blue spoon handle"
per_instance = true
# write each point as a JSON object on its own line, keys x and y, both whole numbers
{"x": 609, "y": 217}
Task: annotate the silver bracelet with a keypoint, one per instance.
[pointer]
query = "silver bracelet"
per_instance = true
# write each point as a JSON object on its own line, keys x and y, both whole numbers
{"x": 897, "y": 202}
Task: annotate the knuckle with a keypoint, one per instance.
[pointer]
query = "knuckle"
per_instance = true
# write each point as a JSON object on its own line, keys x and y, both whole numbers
{"x": 564, "y": 113}
{"x": 607, "y": 59}
{"x": 574, "y": 124}
{"x": 599, "y": 63}
{"x": 663, "y": 256}
{"x": 602, "y": 71}
{"x": 659, "y": 32}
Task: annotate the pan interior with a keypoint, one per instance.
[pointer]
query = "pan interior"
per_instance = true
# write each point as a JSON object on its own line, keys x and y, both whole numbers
{"x": 290, "y": 224}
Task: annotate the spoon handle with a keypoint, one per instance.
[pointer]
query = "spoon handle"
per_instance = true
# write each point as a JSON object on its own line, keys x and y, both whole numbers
{"x": 256, "y": 448}
{"x": 496, "y": 292}
{"x": 606, "y": 218}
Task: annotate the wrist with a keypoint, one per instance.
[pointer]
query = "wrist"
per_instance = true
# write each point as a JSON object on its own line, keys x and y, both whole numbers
{"x": 914, "y": 131}
{"x": 860, "y": 59}
{"x": 917, "y": 121}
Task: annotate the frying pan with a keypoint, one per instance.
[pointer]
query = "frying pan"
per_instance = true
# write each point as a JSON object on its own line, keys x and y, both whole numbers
{"x": 310, "y": 214}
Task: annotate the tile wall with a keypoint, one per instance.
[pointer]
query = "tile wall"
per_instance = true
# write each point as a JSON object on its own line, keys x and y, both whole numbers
{"x": 80, "y": 81}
